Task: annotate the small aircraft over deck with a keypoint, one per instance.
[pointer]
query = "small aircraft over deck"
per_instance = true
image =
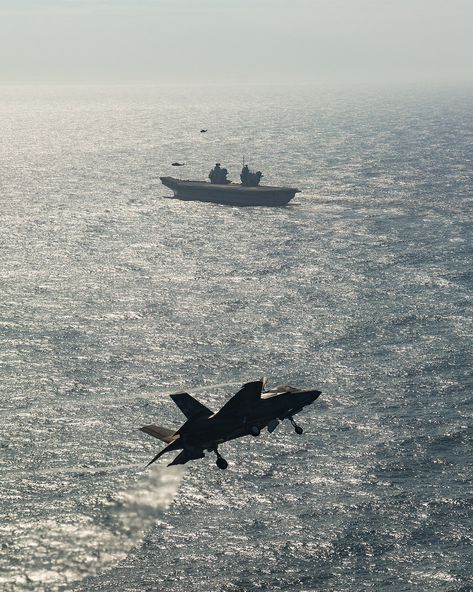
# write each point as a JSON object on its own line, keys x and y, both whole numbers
{"x": 246, "y": 413}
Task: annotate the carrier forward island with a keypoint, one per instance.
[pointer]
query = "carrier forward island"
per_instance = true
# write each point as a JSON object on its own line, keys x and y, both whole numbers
{"x": 220, "y": 190}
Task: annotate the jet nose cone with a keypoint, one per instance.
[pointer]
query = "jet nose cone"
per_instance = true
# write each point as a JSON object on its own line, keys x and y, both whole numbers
{"x": 314, "y": 395}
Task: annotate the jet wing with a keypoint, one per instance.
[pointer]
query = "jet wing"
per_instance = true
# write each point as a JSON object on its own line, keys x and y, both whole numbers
{"x": 244, "y": 399}
{"x": 190, "y": 406}
{"x": 174, "y": 445}
{"x": 180, "y": 459}
{"x": 186, "y": 456}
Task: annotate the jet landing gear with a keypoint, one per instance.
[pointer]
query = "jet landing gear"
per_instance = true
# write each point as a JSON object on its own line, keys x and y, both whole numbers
{"x": 220, "y": 462}
{"x": 297, "y": 428}
{"x": 255, "y": 431}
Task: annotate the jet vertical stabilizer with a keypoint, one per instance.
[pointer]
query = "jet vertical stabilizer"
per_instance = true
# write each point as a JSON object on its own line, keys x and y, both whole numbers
{"x": 190, "y": 406}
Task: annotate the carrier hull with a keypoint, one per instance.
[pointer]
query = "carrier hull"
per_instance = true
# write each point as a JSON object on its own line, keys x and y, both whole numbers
{"x": 230, "y": 194}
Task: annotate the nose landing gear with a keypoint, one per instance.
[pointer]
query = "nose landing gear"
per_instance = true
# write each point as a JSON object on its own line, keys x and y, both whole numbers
{"x": 221, "y": 463}
{"x": 297, "y": 428}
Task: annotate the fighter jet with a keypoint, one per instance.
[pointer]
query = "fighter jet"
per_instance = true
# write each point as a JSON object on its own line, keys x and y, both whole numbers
{"x": 246, "y": 413}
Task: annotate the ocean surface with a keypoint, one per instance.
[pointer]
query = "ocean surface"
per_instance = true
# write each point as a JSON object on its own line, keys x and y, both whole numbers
{"x": 112, "y": 297}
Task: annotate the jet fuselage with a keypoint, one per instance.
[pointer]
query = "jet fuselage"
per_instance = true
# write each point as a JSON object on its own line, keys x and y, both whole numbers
{"x": 215, "y": 429}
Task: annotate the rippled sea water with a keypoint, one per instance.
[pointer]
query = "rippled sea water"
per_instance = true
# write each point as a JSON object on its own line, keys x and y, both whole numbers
{"x": 112, "y": 297}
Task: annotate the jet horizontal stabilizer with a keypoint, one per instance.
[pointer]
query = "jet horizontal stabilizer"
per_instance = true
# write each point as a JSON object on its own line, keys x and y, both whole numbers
{"x": 158, "y": 432}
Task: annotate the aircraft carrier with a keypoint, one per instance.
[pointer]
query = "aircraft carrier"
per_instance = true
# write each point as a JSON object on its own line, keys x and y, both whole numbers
{"x": 230, "y": 194}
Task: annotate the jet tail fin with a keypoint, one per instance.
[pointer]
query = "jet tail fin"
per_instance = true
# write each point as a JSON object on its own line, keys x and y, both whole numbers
{"x": 190, "y": 406}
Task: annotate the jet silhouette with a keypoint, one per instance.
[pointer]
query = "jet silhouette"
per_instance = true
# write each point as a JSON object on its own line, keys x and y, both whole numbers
{"x": 246, "y": 413}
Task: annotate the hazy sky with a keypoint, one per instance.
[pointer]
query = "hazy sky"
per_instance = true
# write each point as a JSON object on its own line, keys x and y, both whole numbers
{"x": 315, "y": 41}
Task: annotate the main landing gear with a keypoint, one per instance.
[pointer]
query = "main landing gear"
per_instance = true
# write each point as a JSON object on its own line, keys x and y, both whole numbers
{"x": 297, "y": 428}
{"x": 220, "y": 462}
{"x": 255, "y": 431}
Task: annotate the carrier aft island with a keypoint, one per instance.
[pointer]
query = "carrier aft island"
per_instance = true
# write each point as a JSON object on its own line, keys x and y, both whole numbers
{"x": 221, "y": 190}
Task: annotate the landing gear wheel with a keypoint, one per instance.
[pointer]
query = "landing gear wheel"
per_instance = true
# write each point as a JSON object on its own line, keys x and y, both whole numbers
{"x": 222, "y": 463}
{"x": 255, "y": 431}
{"x": 297, "y": 428}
